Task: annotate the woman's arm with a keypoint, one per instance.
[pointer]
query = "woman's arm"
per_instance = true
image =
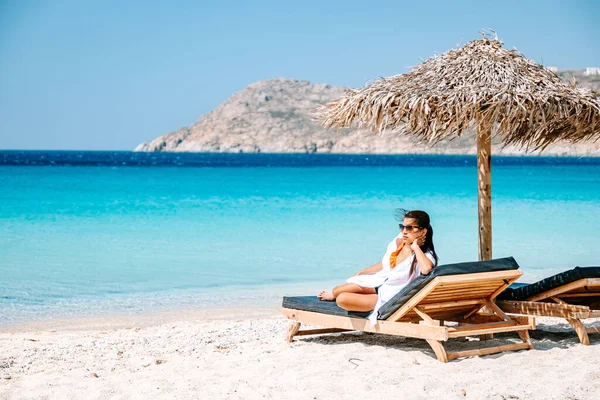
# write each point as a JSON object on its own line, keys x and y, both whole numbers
{"x": 425, "y": 264}
{"x": 371, "y": 270}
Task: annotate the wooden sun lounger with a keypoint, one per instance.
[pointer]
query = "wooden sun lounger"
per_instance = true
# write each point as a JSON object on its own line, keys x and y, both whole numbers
{"x": 561, "y": 302}
{"x": 456, "y": 298}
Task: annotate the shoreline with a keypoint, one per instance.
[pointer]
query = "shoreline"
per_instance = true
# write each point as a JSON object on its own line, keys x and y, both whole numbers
{"x": 144, "y": 320}
{"x": 204, "y": 302}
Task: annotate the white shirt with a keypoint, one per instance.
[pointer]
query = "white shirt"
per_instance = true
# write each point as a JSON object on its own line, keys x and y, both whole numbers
{"x": 389, "y": 280}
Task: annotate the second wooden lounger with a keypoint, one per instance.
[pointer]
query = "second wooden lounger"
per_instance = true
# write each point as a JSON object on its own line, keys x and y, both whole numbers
{"x": 573, "y": 295}
{"x": 453, "y": 292}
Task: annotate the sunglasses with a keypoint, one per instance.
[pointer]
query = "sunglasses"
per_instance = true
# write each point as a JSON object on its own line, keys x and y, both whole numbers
{"x": 409, "y": 227}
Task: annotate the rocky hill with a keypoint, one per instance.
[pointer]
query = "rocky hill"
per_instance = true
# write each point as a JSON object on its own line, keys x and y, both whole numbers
{"x": 274, "y": 116}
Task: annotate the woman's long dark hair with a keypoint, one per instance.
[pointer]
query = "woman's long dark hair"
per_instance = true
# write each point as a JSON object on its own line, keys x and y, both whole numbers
{"x": 423, "y": 221}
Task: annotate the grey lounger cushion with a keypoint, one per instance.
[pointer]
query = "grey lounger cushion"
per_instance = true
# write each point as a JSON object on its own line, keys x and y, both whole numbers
{"x": 312, "y": 303}
{"x": 524, "y": 291}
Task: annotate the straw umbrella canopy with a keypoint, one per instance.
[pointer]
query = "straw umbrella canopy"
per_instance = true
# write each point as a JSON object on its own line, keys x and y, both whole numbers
{"x": 480, "y": 85}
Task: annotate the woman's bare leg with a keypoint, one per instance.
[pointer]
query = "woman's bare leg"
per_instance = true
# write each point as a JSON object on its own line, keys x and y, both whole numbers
{"x": 356, "y": 301}
{"x": 346, "y": 288}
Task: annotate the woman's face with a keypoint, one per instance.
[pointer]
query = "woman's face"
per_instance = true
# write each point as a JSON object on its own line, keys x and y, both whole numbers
{"x": 411, "y": 230}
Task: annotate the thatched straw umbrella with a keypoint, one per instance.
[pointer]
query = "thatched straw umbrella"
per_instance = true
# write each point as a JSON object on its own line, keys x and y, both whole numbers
{"x": 482, "y": 85}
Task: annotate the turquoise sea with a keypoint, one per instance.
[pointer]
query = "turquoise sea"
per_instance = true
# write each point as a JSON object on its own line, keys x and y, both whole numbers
{"x": 103, "y": 233}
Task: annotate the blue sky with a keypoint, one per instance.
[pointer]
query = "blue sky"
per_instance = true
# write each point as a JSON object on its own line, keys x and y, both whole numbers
{"x": 104, "y": 75}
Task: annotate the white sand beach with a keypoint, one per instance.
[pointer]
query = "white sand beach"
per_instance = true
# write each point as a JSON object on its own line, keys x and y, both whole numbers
{"x": 216, "y": 354}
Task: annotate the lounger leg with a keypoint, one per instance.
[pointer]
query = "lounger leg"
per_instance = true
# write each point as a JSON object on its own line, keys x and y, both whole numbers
{"x": 524, "y": 335}
{"x": 576, "y": 324}
{"x": 580, "y": 329}
{"x": 292, "y": 329}
{"x": 438, "y": 349}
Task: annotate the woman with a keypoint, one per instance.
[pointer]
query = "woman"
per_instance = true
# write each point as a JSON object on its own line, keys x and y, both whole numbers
{"x": 411, "y": 253}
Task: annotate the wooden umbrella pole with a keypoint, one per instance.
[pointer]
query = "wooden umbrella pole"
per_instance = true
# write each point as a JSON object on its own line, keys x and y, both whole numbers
{"x": 484, "y": 192}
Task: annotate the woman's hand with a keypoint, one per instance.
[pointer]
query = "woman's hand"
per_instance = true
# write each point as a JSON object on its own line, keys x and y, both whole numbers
{"x": 417, "y": 243}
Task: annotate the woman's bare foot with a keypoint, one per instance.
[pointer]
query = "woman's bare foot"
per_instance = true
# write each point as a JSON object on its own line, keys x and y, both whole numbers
{"x": 326, "y": 296}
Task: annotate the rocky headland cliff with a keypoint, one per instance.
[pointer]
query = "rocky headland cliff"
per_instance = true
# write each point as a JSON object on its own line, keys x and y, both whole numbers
{"x": 274, "y": 116}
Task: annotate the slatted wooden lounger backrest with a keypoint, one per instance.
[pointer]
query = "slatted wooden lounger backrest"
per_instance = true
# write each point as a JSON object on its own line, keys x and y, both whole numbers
{"x": 453, "y": 297}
